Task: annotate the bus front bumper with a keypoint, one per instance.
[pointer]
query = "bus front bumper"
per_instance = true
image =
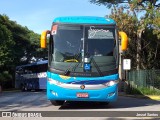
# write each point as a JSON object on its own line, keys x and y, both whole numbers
{"x": 105, "y": 94}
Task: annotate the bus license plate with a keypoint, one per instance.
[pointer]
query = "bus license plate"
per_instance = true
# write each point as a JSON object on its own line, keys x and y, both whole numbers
{"x": 82, "y": 95}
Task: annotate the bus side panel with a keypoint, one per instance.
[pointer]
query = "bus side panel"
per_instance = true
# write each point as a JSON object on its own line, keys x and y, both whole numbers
{"x": 42, "y": 83}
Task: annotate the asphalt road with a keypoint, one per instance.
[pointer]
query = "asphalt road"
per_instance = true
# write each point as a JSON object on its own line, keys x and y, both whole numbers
{"x": 37, "y": 101}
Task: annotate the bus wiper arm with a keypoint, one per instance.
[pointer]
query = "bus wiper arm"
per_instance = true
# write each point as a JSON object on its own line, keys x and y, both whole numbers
{"x": 97, "y": 67}
{"x": 67, "y": 71}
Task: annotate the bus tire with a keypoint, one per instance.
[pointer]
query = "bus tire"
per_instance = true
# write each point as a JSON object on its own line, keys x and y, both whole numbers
{"x": 57, "y": 102}
{"x": 22, "y": 88}
{"x": 25, "y": 88}
{"x": 37, "y": 90}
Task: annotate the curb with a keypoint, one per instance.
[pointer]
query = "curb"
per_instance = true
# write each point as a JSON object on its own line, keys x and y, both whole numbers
{"x": 11, "y": 91}
{"x": 154, "y": 97}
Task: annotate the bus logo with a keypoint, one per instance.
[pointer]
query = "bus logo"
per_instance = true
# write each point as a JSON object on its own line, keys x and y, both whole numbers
{"x": 82, "y": 87}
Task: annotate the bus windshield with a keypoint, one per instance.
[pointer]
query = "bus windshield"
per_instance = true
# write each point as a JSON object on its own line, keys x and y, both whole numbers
{"x": 67, "y": 42}
{"x": 100, "y": 41}
{"x": 71, "y": 43}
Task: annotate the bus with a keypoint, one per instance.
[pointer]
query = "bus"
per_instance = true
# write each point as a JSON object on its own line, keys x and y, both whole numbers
{"x": 83, "y": 59}
{"x": 31, "y": 76}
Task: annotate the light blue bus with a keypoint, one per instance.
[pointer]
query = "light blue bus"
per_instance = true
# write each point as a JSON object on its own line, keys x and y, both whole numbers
{"x": 83, "y": 59}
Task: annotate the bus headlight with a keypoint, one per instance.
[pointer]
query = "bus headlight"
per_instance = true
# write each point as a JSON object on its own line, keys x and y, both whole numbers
{"x": 111, "y": 83}
{"x": 52, "y": 81}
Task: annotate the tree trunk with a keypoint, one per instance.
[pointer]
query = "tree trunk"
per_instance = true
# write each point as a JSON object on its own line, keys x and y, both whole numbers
{"x": 139, "y": 48}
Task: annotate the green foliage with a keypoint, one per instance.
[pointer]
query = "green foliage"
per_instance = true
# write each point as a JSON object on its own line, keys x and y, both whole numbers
{"x": 150, "y": 57}
{"x": 150, "y": 9}
{"x": 35, "y": 46}
{"x": 18, "y": 45}
{"x": 108, "y": 3}
{"x": 133, "y": 3}
{"x": 17, "y": 42}
{"x": 143, "y": 32}
{"x": 4, "y": 76}
{"x": 126, "y": 22}
{"x": 147, "y": 91}
{"x": 142, "y": 91}
{"x": 6, "y": 45}
{"x": 152, "y": 20}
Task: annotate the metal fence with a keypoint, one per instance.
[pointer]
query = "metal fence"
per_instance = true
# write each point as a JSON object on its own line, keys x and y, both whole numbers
{"x": 144, "y": 78}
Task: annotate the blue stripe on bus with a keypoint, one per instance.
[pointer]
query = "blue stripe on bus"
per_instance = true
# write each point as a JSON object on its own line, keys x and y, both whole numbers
{"x": 89, "y": 82}
{"x": 84, "y": 20}
{"x": 79, "y": 80}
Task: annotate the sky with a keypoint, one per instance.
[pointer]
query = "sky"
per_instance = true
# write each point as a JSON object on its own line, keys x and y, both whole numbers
{"x": 38, "y": 15}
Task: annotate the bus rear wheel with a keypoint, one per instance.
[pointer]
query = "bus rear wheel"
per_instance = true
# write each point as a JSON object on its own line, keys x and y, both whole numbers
{"x": 57, "y": 102}
{"x": 22, "y": 88}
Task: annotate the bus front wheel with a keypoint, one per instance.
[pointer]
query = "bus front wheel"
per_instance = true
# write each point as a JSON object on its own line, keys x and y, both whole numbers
{"x": 57, "y": 102}
{"x": 24, "y": 88}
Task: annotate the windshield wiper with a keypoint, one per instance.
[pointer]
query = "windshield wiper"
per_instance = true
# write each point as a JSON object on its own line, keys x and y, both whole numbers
{"x": 97, "y": 67}
{"x": 67, "y": 71}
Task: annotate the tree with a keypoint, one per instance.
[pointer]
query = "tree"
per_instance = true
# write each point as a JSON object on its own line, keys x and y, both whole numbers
{"x": 35, "y": 49}
{"x": 17, "y": 42}
{"x": 126, "y": 22}
{"x": 147, "y": 24}
{"x": 7, "y": 43}
{"x": 132, "y": 3}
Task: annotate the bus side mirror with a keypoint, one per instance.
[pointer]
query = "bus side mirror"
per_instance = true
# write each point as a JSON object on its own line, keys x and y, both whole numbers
{"x": 124, "y": 41}
{"x": 43, "y": 41}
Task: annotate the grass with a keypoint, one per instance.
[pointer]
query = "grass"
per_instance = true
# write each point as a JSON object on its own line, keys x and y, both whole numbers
{"x": 147, "y": 91}
{"x": 142, "y": 91}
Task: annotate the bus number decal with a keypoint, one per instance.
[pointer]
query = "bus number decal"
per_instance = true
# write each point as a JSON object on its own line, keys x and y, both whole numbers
{"x": 42, "y": 75}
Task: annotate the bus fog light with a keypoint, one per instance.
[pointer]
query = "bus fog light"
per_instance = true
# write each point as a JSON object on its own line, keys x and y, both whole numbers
{"x": 110, "y": 94}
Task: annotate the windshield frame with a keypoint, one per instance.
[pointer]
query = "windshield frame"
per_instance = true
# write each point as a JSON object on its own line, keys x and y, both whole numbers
{"x": 59, "y": 71}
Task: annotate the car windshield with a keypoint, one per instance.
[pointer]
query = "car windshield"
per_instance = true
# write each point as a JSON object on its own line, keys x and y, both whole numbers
{"x": 71, "y": 43}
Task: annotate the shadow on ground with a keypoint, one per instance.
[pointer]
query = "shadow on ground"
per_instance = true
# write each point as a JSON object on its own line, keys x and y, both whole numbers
{"x": 122, "y": 102}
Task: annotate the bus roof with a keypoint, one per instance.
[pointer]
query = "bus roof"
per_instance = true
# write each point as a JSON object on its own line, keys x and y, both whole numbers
{"x": 35, "y": 63}
{"x": 84, "y": 20}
